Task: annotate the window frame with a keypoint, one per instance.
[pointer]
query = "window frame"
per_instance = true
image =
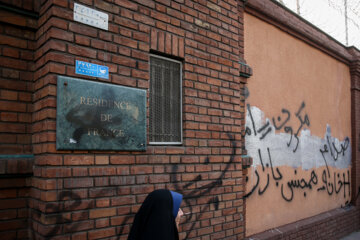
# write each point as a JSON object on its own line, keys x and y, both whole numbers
{"x": 180, "y": 100}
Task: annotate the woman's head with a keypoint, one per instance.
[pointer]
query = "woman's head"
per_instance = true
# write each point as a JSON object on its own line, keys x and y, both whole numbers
{"x": 176, "y": 211}
{"x": 156, "y": 216}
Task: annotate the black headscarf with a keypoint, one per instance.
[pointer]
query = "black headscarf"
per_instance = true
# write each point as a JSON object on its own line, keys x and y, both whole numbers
{"x": 154, "y": 220}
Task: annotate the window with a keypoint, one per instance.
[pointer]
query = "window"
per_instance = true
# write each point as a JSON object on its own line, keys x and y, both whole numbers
{"x": 165, "y": 122}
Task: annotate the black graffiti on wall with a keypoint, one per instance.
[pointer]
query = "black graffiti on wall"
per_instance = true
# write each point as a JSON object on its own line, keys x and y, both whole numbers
{"x": 192, "y": 195}
{"x": 335, "y": 184}
{"x": 330, "y": 151}
{"x": 276, "y": 177}
{"x": 69, "y": 201}
{"x": 280, "y": 122}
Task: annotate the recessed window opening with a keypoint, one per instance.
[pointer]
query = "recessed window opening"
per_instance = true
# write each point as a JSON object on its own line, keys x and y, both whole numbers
{"x": 165, "y": 121}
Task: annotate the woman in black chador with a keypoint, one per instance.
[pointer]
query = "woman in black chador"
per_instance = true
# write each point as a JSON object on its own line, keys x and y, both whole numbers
{"x": 158, "y": 217}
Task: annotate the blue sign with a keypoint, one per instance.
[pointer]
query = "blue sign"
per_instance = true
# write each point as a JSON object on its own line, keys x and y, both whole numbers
{"x": 91, "y": 69}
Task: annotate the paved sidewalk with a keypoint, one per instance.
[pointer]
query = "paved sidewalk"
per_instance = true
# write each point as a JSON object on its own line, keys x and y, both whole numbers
{"x": 352, "y": 236}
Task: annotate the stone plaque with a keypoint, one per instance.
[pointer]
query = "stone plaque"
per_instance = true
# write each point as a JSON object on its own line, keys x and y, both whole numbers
{"x": 99, "y": 116}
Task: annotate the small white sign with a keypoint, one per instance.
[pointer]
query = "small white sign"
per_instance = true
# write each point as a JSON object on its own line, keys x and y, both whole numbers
{"x": 90, "y": 16}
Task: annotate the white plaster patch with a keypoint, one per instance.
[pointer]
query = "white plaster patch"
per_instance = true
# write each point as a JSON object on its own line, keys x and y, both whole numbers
{"x": 310, "y": 152}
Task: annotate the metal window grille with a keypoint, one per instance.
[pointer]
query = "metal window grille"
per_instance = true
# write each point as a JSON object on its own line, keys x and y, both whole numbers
{"x": 165, "y": 122}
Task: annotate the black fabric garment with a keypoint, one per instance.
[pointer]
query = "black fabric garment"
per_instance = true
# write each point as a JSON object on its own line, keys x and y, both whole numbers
{"x": 154, "y": 220}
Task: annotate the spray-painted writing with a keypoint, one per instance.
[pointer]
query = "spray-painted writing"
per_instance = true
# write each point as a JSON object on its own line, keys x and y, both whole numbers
{"x": 298, "y": 149}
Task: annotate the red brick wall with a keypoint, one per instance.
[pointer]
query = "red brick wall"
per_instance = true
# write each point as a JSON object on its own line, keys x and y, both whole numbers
{"x": 27, "y": 5}
{"x": 91, "y": 195}
{"x": 14, "y": 194}
{"x": 17, "y": 43}
{"x": 14, "y": 197}
{"x": 16, "y": 75}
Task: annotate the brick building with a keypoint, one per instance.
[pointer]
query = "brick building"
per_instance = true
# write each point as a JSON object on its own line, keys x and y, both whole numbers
{"x": 49, "y": 192}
